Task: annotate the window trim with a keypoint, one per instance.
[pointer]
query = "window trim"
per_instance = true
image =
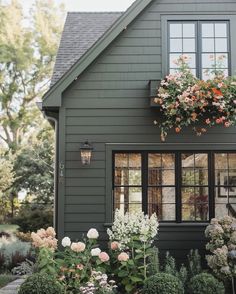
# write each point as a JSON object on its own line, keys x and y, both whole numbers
{"x": 178, "y": 185}
{"x": 198, "y": 43}
{"x": 157, "y": 147}
{"x": 197, "y": 17}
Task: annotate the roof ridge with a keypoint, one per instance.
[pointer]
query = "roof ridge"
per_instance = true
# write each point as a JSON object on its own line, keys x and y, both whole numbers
{"x": 95, "y": 12}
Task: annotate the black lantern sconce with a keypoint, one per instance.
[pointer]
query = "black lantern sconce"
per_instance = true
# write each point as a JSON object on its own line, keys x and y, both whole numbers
{"x": 86, "y": 153}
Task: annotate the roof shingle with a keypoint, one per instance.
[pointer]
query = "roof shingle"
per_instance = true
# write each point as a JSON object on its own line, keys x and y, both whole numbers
{"x": 81, "y": 31}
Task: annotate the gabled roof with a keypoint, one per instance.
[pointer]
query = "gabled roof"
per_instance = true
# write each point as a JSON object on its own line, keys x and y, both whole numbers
{"x": 81, "y": 31}
{"x": 53, "y": 97}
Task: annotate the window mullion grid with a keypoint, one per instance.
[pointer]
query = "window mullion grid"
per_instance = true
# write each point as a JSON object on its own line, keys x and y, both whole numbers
{"x": 178, "y": 185}
{"x": 211, "y": 183}
{"x": 214, "y": 27}
{"x": 228, "y": 188}
{"x": 199, "y": 49}
{"x": 194, "y": 187}
{"x": 144, "y": 171}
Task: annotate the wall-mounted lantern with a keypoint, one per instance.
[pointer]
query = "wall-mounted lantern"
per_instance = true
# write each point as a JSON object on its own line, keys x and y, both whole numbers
{"x": 86, "y": 152}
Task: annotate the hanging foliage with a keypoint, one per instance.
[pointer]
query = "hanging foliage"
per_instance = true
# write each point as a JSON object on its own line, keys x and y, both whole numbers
{"x": 185, "y": 100}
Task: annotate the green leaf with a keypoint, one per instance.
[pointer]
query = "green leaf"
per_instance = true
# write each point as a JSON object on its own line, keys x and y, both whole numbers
{"x": 129, "y": 288}
{"x": 122, "y": 274}
{"x": 136, "y": 279}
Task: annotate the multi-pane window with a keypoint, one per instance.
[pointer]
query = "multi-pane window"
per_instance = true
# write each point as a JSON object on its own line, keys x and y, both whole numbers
{"x": 128, "y": 181}
{"x": 161, "y": 185}
{"x": 194, "y": 186}
{"x": 182, "y": 41}
{"x": 225, "y": 183}
{"x": 178, "y": 186}
{"x": 205, "y": 44}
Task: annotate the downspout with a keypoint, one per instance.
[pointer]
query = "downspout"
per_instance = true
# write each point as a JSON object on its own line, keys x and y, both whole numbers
{"x": 53, "y": 118}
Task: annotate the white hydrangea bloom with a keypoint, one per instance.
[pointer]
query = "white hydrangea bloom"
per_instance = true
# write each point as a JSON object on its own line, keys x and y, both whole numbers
{"x": 95, "y": 251}
{"x": 92, "y": 234}
{"x": 66, "y": 242}
{"x": 133, "y": 225}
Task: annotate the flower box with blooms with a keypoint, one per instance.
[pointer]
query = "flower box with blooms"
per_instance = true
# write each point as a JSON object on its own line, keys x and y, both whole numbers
{"x": 185, "y": 100}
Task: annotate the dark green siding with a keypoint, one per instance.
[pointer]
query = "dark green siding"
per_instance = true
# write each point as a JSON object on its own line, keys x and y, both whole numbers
{"x": 109, "y": 103}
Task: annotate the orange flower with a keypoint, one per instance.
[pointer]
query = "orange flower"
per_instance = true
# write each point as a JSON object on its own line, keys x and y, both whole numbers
{"x": 217, "y": 92}
{"x": 177, "y": 130}
{"x": 194, "y": 116}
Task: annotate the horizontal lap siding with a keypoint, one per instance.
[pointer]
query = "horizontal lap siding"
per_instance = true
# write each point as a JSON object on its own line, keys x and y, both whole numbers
{"x": 109, "y": 103}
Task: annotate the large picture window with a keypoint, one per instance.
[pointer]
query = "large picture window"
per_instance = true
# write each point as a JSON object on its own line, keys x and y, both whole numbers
{"x": 178, "y": 186}
{"x": 206, "y": 43}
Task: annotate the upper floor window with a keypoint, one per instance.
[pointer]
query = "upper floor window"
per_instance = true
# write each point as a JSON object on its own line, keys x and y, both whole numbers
{"x": 206, "y": 43}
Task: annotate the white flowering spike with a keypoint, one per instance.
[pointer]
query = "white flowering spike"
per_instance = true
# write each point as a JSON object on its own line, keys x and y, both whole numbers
{"x": 129, "y": 225}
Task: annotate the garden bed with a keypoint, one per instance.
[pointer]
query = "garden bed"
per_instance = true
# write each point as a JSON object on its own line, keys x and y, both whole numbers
{"x": 130, "y": 264}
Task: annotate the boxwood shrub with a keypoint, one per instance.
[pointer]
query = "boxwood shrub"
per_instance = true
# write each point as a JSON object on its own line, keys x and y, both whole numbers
{"x": 163, "y": 283}
{"x": 205, "y": 283}
{"x": 40, "y": 284}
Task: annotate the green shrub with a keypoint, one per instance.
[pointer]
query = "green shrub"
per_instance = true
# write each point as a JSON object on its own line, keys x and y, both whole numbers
{"x": 154, "y": 262}
{"x": 33, "y": 218}
{"x": 27, "y": 267}
{"x": 41, "y": 284}
{"x": 163, "y": 283}
{"x": 205, "y": 284}
{"x": 13, "y": 252}
{"x": 194, "y": 263}
{"x": 171, "y": 268}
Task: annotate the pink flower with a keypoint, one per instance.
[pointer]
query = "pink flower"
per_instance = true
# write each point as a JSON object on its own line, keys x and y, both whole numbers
{"x": 51, "y": 232}
{"x": 208, "y": 121}
{"x": 123, "y": 256}
{"x": 62, "y": 278}
{"x": 80, "y": 267}
{"x": 42, "y": 233}
{"x": 78, "y": 247}
{"x": 104, "y": 257}
{"x": 227, "y": 124}
{"x": 114, "y": 245}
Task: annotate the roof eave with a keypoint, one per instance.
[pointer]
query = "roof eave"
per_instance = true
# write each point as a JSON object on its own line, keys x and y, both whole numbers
{"x": 53, "y": 97}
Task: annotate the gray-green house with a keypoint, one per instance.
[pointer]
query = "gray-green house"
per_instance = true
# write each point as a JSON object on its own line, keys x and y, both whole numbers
{"x": 107, "y": 66}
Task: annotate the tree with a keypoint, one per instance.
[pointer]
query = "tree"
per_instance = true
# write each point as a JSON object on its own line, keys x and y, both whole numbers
{"x": 6, "y": 172}
{"x": 27, "y": 54}
{"x": 33, "y": 166}
{"x": 7, "y": 178}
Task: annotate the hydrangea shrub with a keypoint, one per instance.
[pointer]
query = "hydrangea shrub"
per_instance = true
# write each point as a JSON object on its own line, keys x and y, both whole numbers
{"x": 82, "y": 267}
{"x": 131, "y": 238}
{"x": 222, "y": 245}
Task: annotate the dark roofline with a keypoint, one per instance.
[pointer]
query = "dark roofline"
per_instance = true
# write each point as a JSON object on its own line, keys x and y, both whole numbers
{"x": 53, "y": 97}
{"x": 95, "y": 12}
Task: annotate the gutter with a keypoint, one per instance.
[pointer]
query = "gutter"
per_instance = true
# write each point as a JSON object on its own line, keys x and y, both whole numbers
{"x": 52, "y": 115}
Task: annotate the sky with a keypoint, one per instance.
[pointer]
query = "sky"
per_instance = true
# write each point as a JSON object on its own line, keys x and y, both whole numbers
{"x": 89, "y": 5}
{"x": 97, "y": 5}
